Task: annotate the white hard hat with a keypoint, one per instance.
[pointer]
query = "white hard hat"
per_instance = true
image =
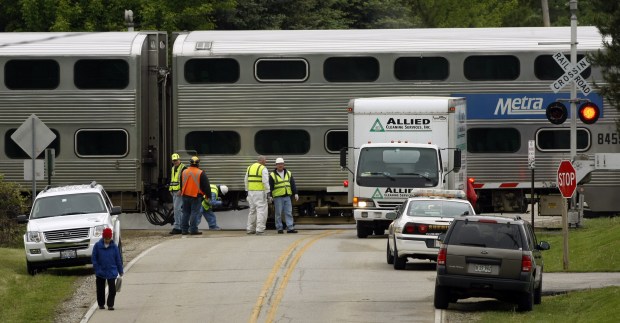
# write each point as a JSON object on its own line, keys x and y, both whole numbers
{"x": 223, "y": 189}
{"x": 279, "y": 160}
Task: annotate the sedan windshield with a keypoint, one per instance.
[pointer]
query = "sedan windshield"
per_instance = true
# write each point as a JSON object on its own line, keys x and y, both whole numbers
{"x": 438, "y": 208}
{"x": 67, "y": 205}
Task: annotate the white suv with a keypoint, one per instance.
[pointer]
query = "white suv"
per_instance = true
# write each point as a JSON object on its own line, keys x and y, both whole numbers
{"x": 65, "y": 223}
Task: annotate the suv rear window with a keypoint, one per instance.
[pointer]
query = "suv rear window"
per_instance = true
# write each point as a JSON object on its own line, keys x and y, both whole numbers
{"x": 484, "y": 234}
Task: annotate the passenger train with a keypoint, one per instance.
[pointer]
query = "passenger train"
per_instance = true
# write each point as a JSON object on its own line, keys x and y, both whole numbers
{"x": 120, "y": 106}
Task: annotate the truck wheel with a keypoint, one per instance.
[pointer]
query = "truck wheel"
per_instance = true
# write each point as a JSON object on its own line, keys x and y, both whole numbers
{"x": 441, "y": 299}
{"x": 362, "y": 232}
{"x": 390, "y": 256}
{"x": 379, "y": 232}
{"x": 399, "y": 262}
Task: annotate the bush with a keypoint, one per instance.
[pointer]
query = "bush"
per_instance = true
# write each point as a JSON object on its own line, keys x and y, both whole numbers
{"x": 12, "y": 204}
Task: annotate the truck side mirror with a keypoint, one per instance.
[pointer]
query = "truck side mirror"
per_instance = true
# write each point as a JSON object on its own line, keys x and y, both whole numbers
{"x": 343, "y": 157}
{"x": 457, "y": 160}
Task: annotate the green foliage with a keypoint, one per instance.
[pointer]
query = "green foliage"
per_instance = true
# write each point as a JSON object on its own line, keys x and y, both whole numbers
{"x": 12, "y": 204}
{"x": 608, "y": 23}
{"x": 26, "y": 298}
{"x": 594, "y": 247}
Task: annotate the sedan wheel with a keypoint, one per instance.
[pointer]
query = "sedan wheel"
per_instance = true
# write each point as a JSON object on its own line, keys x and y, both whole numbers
{"x": 390, "y": 256}
{"x": 399, "y": 262}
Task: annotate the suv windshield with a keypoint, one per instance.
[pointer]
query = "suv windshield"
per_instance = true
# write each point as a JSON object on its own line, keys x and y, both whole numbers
{"x": 489, "y": 235}
{"x": 438, "y": 208}
{"x": 60, "y": 205}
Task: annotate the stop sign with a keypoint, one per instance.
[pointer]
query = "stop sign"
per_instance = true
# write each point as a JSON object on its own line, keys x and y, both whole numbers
{"x": 567, "y": 179}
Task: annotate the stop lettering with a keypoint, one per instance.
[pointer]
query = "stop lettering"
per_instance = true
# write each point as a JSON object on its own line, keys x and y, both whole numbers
{"x": 567, "y": 179}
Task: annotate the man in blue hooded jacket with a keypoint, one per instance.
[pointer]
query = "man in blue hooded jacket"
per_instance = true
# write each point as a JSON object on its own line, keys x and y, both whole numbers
{"x": 108, "y": 265}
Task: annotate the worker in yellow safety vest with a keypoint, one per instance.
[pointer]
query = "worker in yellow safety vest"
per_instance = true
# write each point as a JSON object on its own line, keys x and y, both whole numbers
{"x": 257, "y": 186}
{"x": 175, "y": 187}
{"x": 282, "y": 189}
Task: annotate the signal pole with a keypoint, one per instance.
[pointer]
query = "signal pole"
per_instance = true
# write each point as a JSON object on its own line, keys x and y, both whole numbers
{"x": 573, "y": 88}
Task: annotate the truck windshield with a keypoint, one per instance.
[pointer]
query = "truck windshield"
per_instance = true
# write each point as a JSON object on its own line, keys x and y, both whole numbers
{"x": 398, "y": 166}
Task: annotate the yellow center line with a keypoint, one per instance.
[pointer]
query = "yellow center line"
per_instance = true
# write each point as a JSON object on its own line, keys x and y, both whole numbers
{"x": 279, "y": 293}
{"x": 269, "y": 283}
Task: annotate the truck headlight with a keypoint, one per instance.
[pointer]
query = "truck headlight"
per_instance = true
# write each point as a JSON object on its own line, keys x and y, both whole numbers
{"x": 33, "y": 236}
{"x": 98, "y": 230}
{"x": 362, "y": 202}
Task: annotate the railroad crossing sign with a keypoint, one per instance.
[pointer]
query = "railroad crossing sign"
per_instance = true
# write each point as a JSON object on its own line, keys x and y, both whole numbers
{"x": 567, "y": 179}
{"x": 571, "y": 74}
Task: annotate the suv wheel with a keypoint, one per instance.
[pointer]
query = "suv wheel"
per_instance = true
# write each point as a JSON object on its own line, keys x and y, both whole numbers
{"x": 32, "y": 269}
{"x": 538, "y": 292}
{"x": 399, "y": 262}
{"x": 390, "y": 256}
{"x": 442, "y": 295}
{"x": 526, "y": 302}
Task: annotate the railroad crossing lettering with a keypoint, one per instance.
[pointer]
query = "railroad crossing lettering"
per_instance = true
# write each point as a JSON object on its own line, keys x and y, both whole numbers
{"x": 571, "y": 74}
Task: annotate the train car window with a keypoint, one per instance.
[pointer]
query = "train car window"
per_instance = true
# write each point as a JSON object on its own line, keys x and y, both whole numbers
{"x": 493, "y": 140}
{"x": 351, "y": 69}
{"x": 546, "y": 68}
{"x": 213, "y": 142}
{"x": 101, "y": 74}
{"x": 278, "y": 142}
{"x": 101, "y": 143}
{"x": 421, "y": 68}
{"x": 492, "y": 68}
{"x": 211, "y": 70}
{"x": 281, "y": 70}
{"x": 32, "y": 74}
{"x": 559, "y": 139}
{"x": 336, "y": 140}
{"x": 12, "y": 150}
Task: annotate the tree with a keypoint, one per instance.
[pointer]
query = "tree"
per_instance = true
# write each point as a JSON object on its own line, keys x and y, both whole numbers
{"x": 608, "y": 23}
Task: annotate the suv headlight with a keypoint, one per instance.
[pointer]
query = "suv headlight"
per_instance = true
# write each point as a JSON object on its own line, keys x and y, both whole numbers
{"x": 362, "y": 202}
{"x": 98, "y": 230}
{"x": 33, "y": 236}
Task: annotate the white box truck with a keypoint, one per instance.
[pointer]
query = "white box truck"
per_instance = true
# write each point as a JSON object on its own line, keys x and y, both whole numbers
{"x": 398, "y": 144}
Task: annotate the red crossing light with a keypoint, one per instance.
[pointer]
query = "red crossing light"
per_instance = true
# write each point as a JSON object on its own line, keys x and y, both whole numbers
{"x": 589, "y": 113}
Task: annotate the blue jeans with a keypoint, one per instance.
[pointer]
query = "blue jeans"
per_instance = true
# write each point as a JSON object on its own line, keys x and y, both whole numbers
{"x": 281, "y": 204}
{"x": 177, "y": 201}
{"x": 191, "y": 212}
{"x": 209, "y": 216}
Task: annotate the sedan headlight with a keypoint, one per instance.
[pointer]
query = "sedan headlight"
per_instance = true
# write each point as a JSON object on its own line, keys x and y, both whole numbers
{"x": 33, "y": 236}
{"x": 98, "y": 230}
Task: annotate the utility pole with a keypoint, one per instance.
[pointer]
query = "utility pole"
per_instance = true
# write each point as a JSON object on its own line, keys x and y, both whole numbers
{"x": 545, "y": 12}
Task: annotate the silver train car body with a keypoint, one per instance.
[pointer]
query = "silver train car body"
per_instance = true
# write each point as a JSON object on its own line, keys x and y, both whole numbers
{"x": 101, "y": 94}
{"x": 231, "y": 95}
{"x": 303, "y": 94}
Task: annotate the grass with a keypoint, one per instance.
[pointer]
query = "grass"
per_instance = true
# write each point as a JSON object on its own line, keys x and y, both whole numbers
{"x": 25, "y": 298}
{"x": 593, "y": 247}
{"x": 595, "y": 305}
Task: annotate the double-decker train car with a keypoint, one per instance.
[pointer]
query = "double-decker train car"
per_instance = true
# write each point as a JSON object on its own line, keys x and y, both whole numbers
{"x": 101, "y": 94}
{"x": 229, "y": 96}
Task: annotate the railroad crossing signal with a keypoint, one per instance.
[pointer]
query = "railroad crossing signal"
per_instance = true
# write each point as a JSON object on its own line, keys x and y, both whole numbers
{"x": 571, "y": 74}
{"x": 567, "y": 179}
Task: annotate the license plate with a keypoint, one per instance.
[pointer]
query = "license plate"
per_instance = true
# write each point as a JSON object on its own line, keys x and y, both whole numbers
{"x": 68, "y": 254}
{"x": 482, "y": 268}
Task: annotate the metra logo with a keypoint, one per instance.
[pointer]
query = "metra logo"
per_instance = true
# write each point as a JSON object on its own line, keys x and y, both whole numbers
{"x": 522, "y": 105}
